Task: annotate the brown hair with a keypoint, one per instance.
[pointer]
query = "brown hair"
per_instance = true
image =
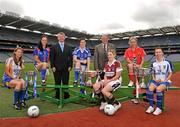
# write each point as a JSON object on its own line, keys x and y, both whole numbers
{"x": 158, "y": 48}
{"x": 106, "y": 35}
{"x": 14, "y": 56}
{"x": 82, "y": 39}
{"x": 42, "y": 36}
{"x": 40, "y": 43}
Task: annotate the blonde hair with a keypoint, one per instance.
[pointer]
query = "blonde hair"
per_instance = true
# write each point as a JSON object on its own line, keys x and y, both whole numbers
{"x": 112, "y": 51}
{"x": 133, "y": 38}
{"x": 61, "y": 33}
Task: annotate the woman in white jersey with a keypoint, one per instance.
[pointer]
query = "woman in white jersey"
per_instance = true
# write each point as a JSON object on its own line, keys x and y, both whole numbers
{"x": 12, "y": 77}
{"x": 162, "y": 71}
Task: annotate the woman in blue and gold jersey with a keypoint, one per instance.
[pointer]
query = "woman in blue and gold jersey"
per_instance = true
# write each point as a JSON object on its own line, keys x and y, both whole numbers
{"x": 12, "y": 77}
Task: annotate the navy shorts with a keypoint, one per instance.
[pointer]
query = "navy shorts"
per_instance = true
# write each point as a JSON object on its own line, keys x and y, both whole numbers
{"x": 160, "y": 83}
{"x": 6, "y": 80}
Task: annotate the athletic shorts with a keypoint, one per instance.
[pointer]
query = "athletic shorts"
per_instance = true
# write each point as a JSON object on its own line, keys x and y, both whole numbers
{"x": 35, "y": 65}
{"x": 114, "y": 84}
{"x": 168, "y": 83}
{"x": 6, "y": 80}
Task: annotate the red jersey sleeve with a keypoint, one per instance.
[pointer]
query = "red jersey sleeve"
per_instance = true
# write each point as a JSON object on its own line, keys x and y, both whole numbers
{"x": 118, "y": 66}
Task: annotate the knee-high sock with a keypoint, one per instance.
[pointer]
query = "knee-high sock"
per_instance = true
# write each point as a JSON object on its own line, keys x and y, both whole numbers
{"x": 77, "y": 71}
{"x": 150, "y": 97}
{"x": 81, "y": 80}
{"x": 134, "y": 92}
{"x": 112, "y": 100}
{"x": 22, "y": 94}
{"x": 159, "y": 99}
{"x": 131, "y": 77}
{"x": 83, "y": 69}
{"x": 16, "y": 96}
{"x": 101, "y": 97}
{"x": 43, "y": 74}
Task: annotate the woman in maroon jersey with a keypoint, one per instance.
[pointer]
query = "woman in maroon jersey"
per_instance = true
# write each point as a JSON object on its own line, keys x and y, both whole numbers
{"x": 104, "y": 88}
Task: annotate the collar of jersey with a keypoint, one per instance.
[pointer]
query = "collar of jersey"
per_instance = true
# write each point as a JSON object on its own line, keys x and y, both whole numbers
{"x": 112, "y": 62}
{"x": 161, "y": 61}
{"x": 135, "y": 48}
{"x": 82, "y": 49}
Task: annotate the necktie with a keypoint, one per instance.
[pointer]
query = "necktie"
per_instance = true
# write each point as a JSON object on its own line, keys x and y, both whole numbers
{"x": 105, "y": 53}
{"x": 105, "y": 47}
{"x": 62, "y": 47}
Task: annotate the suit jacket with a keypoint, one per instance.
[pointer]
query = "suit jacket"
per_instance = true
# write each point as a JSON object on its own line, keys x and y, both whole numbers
{"x": 61, "y": 60}
{"x": 100, "y": 56}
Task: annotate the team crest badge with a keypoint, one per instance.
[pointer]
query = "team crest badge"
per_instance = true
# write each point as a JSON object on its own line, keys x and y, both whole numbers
{"x": 164, "y": 67}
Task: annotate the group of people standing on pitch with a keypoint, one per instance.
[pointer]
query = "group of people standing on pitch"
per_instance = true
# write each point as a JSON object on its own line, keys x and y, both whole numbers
{"x": 60, "y": 59}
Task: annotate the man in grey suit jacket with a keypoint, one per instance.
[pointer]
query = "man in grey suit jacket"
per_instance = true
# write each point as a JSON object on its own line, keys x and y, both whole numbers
{"x": 100, "y": 53}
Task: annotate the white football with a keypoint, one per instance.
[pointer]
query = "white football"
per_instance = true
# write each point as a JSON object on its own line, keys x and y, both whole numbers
{"x": 109, "y": 110}
{"x": 33, "y": 111}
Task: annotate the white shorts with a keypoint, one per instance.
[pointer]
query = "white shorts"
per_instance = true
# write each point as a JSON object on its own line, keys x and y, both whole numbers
{"x": 114, "y": 84}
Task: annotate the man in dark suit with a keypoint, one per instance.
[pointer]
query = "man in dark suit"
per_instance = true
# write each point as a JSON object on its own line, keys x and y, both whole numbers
{"x": 100, "y": 53}
{"x": 61, "y": 63}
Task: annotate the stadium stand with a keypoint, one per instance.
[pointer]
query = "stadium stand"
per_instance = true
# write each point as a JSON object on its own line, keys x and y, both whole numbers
{"x": 148, "y": 57}
{"x": 3, "y": 57}
{"x": 174, "y": 57}
{"x": 27, "y": 58}
{"x": 26, "y": 31}
{"x": 120, "y": 58}
{"x": 29, "y": 23}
